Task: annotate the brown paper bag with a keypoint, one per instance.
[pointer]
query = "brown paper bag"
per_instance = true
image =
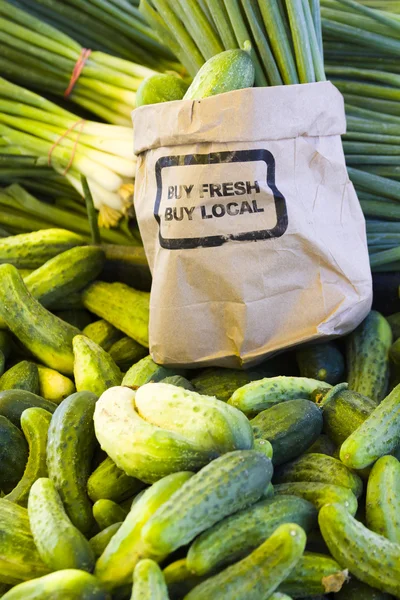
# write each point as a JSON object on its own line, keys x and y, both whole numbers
{"x": 253, "y": 231}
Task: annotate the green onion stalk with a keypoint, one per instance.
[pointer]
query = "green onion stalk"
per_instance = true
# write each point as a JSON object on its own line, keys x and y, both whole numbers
{"x": 39, "y": 56}
{"x": 72, "y": 146}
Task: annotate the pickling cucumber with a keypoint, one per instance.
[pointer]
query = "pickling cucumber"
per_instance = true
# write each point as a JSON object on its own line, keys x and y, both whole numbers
{"x": 22, "y": 376}
{"x": 13, "y": 455}
{"x": 148, "y": 582}
{"x": 319, "y": 468}
{"x": 109, "y": 482}
{"x": 369, "y": 556}
{"x": 357, "y": 590}
{"x": 259, "y": 395}
{"x": 320, "y": 494}
{"x": 179, "y": 579}
{"x": 107, "y": 512}
{"x": 383, "y": 498}
{"x": 47, "y": 337}
{"x": 321, "y": 361}
{"x": 322, "y": 445}
{"x": 223, "y": 487}
{"x": 35, "y": 424}
{"x": 259, "y": 574}
{"x": 368, "y": 357}
{"x": 291, "y": 427}
{"x": 70, "y": 447}
{"x": 103, "y": 333}
{"x": 147, "y": 370}
{"x": 126, "y": 352}
{"x": 60, "y": 544}
{"x": 314, "y": 574}
{"x": 14, "y": 402}
{"x": 94, "y": 369}
{"x": 379, "y": 434}
{"x": 100, "y": 541}
{"x": 69, "y": 584}
{"x": 235, "y": 537}
{"x": 160, "y": 87}
{"x": 53, "y": 386}
{"x": 220, "y": 382}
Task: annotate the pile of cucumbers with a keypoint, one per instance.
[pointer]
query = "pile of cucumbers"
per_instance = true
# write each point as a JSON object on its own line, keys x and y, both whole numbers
{"x": 123, "y": 479}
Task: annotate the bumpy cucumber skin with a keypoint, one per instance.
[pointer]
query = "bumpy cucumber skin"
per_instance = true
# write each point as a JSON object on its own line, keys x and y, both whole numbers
{"x": 378, "y": 435}
{"x": 320, "y": 468}
{"x": 322, "y": 445}
{"x": 160, "y": 87}
{"x": 13, "y": 455}
{"x": 103, "y": 333}
{"x": 122, "y": 306}
{"x": 221, "y": 383}
{"x": 68, "y": 584}
{"x": 321, "y": 361}
{"x": 225, "y": 72}
{"x": 383, "y": 498}
{"x": 31, "y": 250}
{"x": 370, "y": 557}
{"x": 206, "y": 421}
{"x": 147, "y": 370}
{"x": 126, "y": 352}
{"x": 368, "y": 357}
{"x": 259, "y": 574}
{"x": 343, "y": 411}
{"x": 53, "y": 386}
{"x": 115, "y": 566}
{"x": 35, "y": 424}
{"x": 259, "y": 395}
{"x": 60, "y": 544}
{"x": 46, "y": 336}
{"x": 22, "y": 376}
{"x": 320, "y": 494}
{"x": 19, "y": 559}
{"x": 94, "y": 369}
{"x": 307, "y": 577}
{"x": 107, "y": 512}
{"x": 100, "y": 541}
{"x": 14, "y": 402}
{"x": 148, "y": 582}
{"x": 70, "y": 447}
{"x": 65, "y": 274}
{"x": 109, "y": 482}
{"x": 291, "y": 427}
{"x": 357, "y": 590}
{"x": 225, "y": 486}
{"x": 235, "y": 537}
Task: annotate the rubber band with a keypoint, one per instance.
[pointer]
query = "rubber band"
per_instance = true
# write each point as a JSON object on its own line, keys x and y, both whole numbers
{"x": 80, "y": 123}
{"x": 80, "y": 63}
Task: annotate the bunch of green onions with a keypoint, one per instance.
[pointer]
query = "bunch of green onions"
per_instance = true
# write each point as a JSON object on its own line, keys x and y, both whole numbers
{"x": 39, "y": 56}
{"x": 285, "y": 34}
{"x": 72, "y": 146}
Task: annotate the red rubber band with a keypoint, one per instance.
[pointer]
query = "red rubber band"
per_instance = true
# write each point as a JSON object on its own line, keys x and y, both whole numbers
{"x": 80, "y": 63}
{"x": 71, "y": 159}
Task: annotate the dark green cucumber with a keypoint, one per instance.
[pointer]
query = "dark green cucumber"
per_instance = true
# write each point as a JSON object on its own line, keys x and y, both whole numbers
{"x": 31, "y": 250}
{"x": 314, "y": 574}
{"x": 357, "y": 590}
{"x": 149, "y": 582}
{"x": 321, "y": 361}
{"x": 238, "y": 535}
{"x": 379, "y": 434}
{"x": 343, "y": 411}
{"x": 368, "y": 357}
{"x": 259, "y": 574}
{"x": 291, "y": 427}
{"x": 115, "y": 566}
{"x": 107, "y": 512}
{"x": 22, "y": 376}
{"x": 35, "y": 424}
{"x": 160, "y": 87}
{"x": 103, "y": 333}
{"x": 100, "y": 541}
{"x": 126, "y": 352}
{"x": 225, "y": 486}
{"x": 68, "y": 584}
{"x": 14, "y": 402}
{"x": 259, "y": 395}
{"x": 70, "y": 302}
{"x": 65, "y": 274}
{"x": 6, "y": 343}
{"x": 319, "y": 468}
{"x": 147, "y": 370}
{"x": 369, "y": 556}
{"x": 70, "y": 447}
{"x": 322, "y": 445}
{"x": 320, "y": 494}
{"x": 221, "y": 383}
{"x": 13, "y": 455}
{"x": 94, "y": 369}
{"x": 60, "y": 544}
{"x": 109, "y": 482}
{"x": 179, "y": 381}
{"x": 224, "y": 72}
{"x": 383, "y": 498}
{"x": 47, "y": 337}
{"x": 19, "y": 558}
